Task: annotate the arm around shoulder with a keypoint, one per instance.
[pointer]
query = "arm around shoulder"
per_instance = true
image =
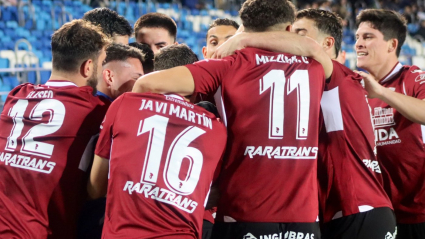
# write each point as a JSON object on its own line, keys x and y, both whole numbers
{"x": 177, "y": 80}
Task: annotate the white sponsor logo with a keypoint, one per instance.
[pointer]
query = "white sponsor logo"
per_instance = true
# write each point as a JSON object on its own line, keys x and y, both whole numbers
{"x": 162, "y": 195}
{"x": 385, "y": 137}
{"x": 249, "y": 236}
{"x": 420, "y": 77}
{"x": 25, "y": 162}
{"x": 289, "y": 152}
{"x": 288, "y": 235}
{"x": 383, "y": 117}
{"x": 372, "y": 164}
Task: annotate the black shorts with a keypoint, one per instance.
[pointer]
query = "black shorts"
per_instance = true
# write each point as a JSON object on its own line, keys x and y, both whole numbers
{"x": 207, "y": 228}
{"x": 264, "y": 230}
{"x": 410, "y": 231}
{"x": 373, "y": 224}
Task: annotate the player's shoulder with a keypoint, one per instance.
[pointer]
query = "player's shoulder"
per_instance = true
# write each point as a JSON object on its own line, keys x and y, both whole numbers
{"x": 412, "y": 74}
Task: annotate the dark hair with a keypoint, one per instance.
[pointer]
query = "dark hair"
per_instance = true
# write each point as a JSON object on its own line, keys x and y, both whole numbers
{"x": 258, "y": 15}
{"x": 75, "y": 42}
{"x": 109, "y": 21}
{"x": 223, "y": 22}
{"x": 156, "y": 20}
{"x": 390, "y": 23}
{"x": 120, "y": 52}
{"x": 327, "y": 22}
{"x": 147, "y": 51}
{"x": 174, "y": 55}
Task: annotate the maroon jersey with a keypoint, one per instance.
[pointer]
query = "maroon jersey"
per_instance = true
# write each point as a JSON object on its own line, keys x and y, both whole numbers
{"x": 350, "y": 177}
{"x": 43, "y": 130}
{"x": 271, "y": 107}
{"x": 400, "y": 146}
{"x": 163, "y": 153}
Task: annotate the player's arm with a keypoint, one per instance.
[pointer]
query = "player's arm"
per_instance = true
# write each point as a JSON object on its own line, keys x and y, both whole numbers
{"x": 411, "y": 108}
{"x": 98, "y": 182}
{"x": 177, "y": 80}
{"x": 278, "y": 41}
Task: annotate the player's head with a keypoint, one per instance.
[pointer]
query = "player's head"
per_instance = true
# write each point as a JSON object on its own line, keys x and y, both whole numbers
{"x": 112, "y": 24}
{"x": 219, "y": 31}
{"x": 78, "y": 50}
{"x": 380, "y": 35}
{"x": 267, "y": 15}
{"x": 155, "y": 29}
{"x": 323, "y": 26}
{"x": 147, "y": 51}
{"x": 173, "y": 56}
{"x": 121, "y": 68}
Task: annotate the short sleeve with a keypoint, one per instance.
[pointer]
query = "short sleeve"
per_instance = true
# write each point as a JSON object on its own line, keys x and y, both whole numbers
{"x": 103, "y": 146}
{"x": 419, "y": 86}
{"x": 208, "y": 74}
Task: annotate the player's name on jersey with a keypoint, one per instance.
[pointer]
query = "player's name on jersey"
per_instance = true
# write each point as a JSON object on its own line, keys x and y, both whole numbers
{"x": 176, "y": 110}
{"x": 40, "y": 94}
{"x": 281, "y": 58}
{"x": 162, "y": 195}
{"x": 25, "y": 162}
{"x": 282, "y": 152}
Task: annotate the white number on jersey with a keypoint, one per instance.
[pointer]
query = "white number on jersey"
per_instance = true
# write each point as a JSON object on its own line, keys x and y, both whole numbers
{"x": 276, "y": 80}
{"x": 56, "y": 111}
{"x": 179, "y": 150}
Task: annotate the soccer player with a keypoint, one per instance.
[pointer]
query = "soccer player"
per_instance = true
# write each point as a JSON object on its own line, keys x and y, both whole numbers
{"x": 219, "y": 31}
{"x": 121, "y": 68}
{"x": 112, "y": 24}
{"x": 268, "y": 182}
{"x": 161, "y": 163}
{"x": 156, "y": 29}
{"x": 44, "y": 130}
{"x": 148, "y": 53}
{"x": 352, "y": 198}
{"x": 397, "y": 100}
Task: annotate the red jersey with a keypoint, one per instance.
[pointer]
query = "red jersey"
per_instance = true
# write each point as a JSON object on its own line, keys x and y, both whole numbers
{"x": 271, "y": 107}
{"x": 163, "y": 153}
{"x": 400, "y": 146}
{"x": 43, "y": 131}
{"x": 350, "y": 177}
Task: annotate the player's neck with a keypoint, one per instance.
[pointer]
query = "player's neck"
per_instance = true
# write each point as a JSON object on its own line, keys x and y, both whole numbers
{"x": 102, "y": 87}
{"x": 381, "y": 70}
{"x": 64, "y": 76}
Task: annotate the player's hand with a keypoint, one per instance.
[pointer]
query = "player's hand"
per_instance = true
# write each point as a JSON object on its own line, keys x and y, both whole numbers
{"x": 230, "y": 46}
{"x": 373, "y": 88}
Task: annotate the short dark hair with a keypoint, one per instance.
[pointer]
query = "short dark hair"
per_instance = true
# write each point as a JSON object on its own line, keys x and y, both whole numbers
{"x": 156, "y": 20}
{"x": 390, "y": 23}
{"x": 223, "y": 22}
{"x": 109, "y": 21}
{"x": 75, "y": 42}
{"x": 327, "y": 22}
{"x": 174, "y": 55}
{"x": 120, "y": 52}
{"x": 147, "y": 51}
{"x": 258, "y": 15}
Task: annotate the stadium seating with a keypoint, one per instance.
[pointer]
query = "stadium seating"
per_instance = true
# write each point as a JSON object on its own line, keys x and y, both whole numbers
{"x": 36, "y": 21}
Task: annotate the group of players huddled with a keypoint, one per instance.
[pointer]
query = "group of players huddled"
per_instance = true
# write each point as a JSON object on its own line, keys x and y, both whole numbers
{"x": 269, "y": 137}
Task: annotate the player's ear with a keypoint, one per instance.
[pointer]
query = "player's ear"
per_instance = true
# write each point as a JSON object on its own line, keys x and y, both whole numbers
{"x": 86, "y": 68}
{"x": 328, "y": 42}
{"x": 392, "y": 45}
{"x": 204, "y": 52}
{"x": 107, "y": 76}
{"x": 289, "y": 28}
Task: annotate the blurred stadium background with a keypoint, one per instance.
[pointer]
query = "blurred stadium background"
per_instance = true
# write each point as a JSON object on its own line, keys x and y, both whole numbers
{"x": 26, "y": 27}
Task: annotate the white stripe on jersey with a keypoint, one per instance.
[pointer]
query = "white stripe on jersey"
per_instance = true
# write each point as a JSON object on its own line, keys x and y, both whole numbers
{"x": 331, "y": 108}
